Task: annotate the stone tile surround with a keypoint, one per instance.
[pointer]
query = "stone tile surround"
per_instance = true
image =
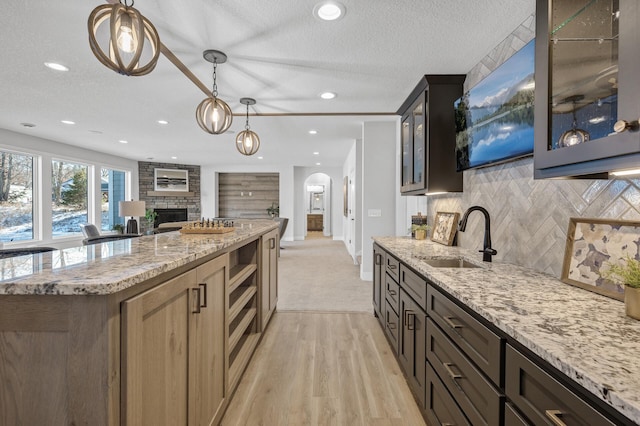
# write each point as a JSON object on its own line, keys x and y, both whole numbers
{"x": 190, "y": 201}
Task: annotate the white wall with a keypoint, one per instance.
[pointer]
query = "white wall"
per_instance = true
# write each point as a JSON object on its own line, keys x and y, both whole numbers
{"x": 209, "y": 190}
{"x": 379, "y": 141}
{"x": 49, "y": 150}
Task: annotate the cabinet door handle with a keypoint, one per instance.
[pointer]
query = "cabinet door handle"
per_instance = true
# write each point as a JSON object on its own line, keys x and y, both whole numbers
{"x": 408, "y": 316}
{"x": 391, "y": 266}
{"x": 391, "y": 292}
{"x": 554, "y": 416}
{"x": 623, "y": 125}
{"x": 196, "y": 293}
{"x": 447, "y": 366}
{"x": 203, "y": 302}
{"x": 450, "y": 323}
{"x": 272, "y": 243}
{"x": 378, "y": 259}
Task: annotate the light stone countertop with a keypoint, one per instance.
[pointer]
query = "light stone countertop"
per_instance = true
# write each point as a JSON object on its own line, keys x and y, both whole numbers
{"x": 113, "y": 266}
{"x": 583, "y": 334}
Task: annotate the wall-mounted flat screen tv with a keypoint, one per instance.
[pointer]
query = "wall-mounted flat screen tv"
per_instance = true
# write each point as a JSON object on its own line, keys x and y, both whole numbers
{"x": 494, "y": 119}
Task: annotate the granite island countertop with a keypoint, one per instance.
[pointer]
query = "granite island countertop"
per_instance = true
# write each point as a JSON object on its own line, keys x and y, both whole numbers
{"x": 109, "y": 267}
{"x": 585, "y": 335}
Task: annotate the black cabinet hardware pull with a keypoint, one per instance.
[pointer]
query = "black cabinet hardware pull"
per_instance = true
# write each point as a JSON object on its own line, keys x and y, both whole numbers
{"x": 203, "y": 302}
{"x": 409, "y": 316}
{"x": 272, "y": 242}
{"x": 378, "y": 259}
{"x": 196, "y": 292}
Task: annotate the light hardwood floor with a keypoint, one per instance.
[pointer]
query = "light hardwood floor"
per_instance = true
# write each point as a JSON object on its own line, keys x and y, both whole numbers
{"x": 323, "y": 369}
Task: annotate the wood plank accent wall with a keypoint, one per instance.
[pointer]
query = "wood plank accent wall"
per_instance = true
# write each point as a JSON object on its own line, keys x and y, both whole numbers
{"x": 234, "y": 189}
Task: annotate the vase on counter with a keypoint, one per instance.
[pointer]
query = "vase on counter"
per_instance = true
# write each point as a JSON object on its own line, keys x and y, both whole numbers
{"x": 421, "y": 234}
{"x": 632, "y": 302}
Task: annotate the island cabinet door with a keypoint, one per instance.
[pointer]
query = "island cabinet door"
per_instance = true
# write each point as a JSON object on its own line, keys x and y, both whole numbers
{"x": 208, "y": 382}
{"x": 174, "y": 350}
{"x": 156, "y": 327}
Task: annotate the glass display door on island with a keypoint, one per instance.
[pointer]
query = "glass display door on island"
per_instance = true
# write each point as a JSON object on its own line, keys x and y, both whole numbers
{"x": 587, "y": 68}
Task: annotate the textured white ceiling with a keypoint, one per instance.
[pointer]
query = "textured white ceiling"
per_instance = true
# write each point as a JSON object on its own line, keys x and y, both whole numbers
{"x": 278, "y": 54}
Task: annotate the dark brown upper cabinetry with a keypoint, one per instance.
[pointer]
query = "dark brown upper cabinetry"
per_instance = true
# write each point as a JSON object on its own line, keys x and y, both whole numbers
{"x": 587, "y": 91}
{"x": 428, "y": 137}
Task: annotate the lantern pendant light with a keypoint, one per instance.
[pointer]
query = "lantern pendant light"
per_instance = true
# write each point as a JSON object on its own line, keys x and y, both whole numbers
{"x": 247, "y": 141}
{"x": 573, "y": 136}
{"x": 123, "y": 40}
{"x": 213, "y": 114}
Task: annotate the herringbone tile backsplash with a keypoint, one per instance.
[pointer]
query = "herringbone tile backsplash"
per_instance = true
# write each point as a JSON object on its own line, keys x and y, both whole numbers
{"x": 529, "y": 218}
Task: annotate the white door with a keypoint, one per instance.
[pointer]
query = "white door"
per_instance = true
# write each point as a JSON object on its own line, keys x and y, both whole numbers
{"x": 351, "y": 216}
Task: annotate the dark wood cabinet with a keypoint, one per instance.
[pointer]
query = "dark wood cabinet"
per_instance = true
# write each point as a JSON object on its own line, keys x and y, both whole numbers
{"x": 587, "y": 65}
{"x": 479, "y": 343}
{"x": 544, "y": 400}
{"x": 378, "y": 282}
{"x": 428, "y": 137}
{"x": 414, "y": 285}
{"x": 411, "y": 344}
{"x": 391, "y": 326}
{"x": 440, "y": 407}
{"x": 477, "y": 397}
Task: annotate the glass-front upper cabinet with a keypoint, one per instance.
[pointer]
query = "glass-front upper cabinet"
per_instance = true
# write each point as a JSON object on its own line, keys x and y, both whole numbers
{"x": 587, "y": 87}
{"x": 428, "y": 136}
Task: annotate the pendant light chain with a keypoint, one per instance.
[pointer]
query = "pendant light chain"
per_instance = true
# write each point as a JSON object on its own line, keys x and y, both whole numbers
{"x": 215, "y": 85}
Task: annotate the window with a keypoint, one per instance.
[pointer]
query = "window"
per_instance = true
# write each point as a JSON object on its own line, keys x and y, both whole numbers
{"x": 69, "y": 197}
{"x": 112, "y": 188}
{"x": 16, "y": 196}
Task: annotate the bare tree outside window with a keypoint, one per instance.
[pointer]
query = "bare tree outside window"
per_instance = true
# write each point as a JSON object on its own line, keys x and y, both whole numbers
{"x": 16, "y": 196}
{"x": 69, "y": 197}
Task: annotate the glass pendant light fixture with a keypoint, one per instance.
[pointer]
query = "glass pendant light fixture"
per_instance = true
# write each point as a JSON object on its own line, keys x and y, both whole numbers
{"x": 574, "y": 136}
{"x": 213, "y": 114}
{"x": 247, "y": 141}
{"x": 123, "y": 40}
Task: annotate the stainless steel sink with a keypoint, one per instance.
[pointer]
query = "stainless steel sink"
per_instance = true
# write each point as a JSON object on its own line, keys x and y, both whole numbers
{"x": 451, "y": 262}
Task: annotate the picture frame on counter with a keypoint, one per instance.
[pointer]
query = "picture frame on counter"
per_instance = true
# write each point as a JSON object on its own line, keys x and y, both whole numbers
{"x": 445, "y": 226}
{"x": 591, "y": 245}
{"x": 171, "y": 180}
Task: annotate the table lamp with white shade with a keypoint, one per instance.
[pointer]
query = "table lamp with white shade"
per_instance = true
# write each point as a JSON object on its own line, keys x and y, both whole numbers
{"x": 133, "y": 209}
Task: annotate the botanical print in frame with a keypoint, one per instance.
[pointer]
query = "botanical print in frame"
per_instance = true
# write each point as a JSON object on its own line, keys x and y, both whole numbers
{"x": 594, "y": 243}
{"x": 444, "y": 227}
{"x": 171, "y": 180}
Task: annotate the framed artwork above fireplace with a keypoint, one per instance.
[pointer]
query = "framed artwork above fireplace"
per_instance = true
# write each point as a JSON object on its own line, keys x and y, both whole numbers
{"x": 171, "y": 180}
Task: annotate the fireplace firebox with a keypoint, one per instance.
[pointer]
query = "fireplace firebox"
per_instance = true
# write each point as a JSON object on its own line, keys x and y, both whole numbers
{"x": 169, "y": 215}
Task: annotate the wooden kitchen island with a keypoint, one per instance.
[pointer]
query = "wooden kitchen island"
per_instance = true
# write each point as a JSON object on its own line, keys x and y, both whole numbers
{"x": 153, "y": 330}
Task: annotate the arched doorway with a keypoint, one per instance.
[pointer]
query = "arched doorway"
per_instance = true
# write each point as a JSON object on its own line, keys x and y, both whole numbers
{"x": 317, "y": 196}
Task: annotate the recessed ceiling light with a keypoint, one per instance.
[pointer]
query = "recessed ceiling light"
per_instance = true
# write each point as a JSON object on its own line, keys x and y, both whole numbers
{"x": 174, "y": 157}
{"x": 327, "y": 95}
{"x": 317, "y": 164}
{"x": 597, "y": 120}
{"x": 316, "y": 153}
{"x": 329, "y": 10}
{"x": 123, "y": 141}
{"x": 97, "y": 132}
{"x": 67, "y": 122}
{"x": 313, "y": 132}
{"x": 163, "y": 122}
{"x": 56, "y": 66}
{"x": 260, "y": 158}
{"x": 27, "y": 125}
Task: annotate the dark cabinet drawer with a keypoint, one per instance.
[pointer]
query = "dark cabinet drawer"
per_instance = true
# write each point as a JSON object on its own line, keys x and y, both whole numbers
{"x": 392, "y": 266}
{"x": 477, "y": 342}
{"x": 542, "y": 399}
{"x": 475, "y": 394}
{"x": 414, "y": 285}
{"x": 512, "y": 417}
{"x": 440, "y": 407}
{"x": 392, "y": 293}
{"x": 391, "y": 326}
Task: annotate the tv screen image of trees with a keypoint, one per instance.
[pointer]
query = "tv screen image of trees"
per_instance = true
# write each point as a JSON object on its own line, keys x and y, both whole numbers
{"x": 494, "y": 119}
